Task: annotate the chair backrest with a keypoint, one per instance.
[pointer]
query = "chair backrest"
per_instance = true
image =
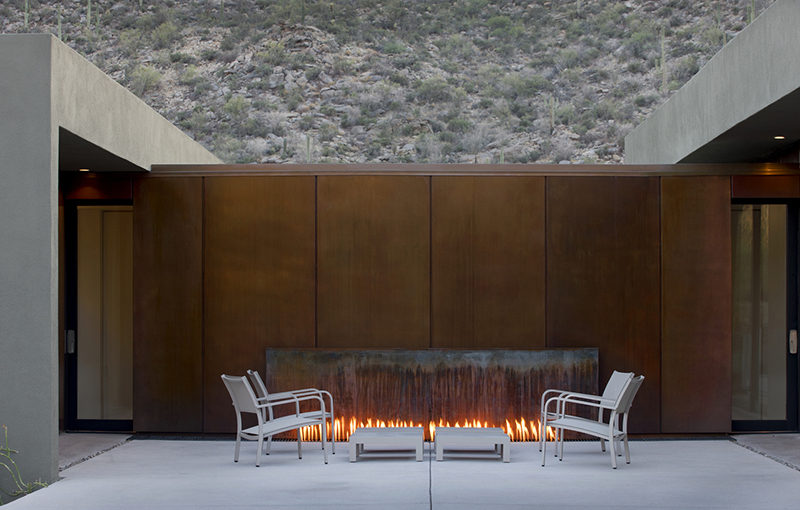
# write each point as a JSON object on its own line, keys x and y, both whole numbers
{"x": 258, "y": 384}
{"x": 244, "y": 400}
{"x": 626, "y": 399}
{"x": 616, "y": 384}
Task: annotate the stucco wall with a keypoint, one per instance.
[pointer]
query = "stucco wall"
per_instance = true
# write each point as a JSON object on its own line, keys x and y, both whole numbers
{"x": 28, "y": 257}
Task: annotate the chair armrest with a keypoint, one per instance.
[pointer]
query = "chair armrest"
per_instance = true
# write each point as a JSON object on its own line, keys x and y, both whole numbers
{"x": 300, "y": 393}
{"x": 562, "y": 393}
{"x": 293, "y": 399}
{"x": 562, "y": 400}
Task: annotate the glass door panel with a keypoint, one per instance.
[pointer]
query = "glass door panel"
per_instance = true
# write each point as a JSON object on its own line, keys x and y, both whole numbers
{"x": 104, "y": 313}
{"x": 759, "y": 364}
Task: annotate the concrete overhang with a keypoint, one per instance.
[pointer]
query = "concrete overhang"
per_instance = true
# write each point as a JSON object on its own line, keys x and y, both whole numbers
{"x": 102, "y": 125}
{"x": 733, "y": 108}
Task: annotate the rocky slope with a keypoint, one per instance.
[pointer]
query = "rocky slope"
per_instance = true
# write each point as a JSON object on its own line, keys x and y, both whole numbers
{"x": 398, "y": 81}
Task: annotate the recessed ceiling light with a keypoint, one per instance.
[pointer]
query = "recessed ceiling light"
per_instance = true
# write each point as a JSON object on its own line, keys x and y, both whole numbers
{"x": 83, "y": 169}
{"x": 779, "y": 137}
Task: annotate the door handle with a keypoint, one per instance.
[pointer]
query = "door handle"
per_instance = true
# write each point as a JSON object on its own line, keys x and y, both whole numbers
{"x": 69, "y": 341}
{"x": 793, "y": 341}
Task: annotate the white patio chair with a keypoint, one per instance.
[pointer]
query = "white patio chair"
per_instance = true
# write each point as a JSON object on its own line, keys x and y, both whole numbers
{"x": 610, "y": 431}
{"x": 616, "y": 383}
{"x": 244, "y": 401}
{"x": 262, "y": 395}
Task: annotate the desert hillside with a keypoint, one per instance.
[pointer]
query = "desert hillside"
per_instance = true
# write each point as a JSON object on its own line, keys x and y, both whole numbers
{"x": 398, "y": 81}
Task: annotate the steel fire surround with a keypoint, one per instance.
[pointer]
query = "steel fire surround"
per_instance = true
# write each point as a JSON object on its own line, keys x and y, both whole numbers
{"x": 430, "y": 387}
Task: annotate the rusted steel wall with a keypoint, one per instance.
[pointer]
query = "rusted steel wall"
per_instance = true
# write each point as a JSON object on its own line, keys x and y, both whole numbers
{"x": 430, "y": 385}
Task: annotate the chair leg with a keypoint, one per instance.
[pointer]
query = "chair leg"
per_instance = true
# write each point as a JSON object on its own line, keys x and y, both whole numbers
{"x": 541, "y": 435}
{"x": 627, "y": 451}
{"x": 559, "y": 437}
{"x": 561, "y": 446}
{"x": 603, "y": 445}
{"x": 299, "y": 447}
{"x": 236, "y": 449}
{"x": 324, "y": 437}
{"x": 613, "y": 452}
{"x": 268, "y": 446}
{"x": 260, "y": 446}
{"x": 544, "y": 451}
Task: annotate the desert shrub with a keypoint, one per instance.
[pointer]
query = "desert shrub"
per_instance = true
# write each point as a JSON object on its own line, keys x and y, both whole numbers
{"x": 565, "y": 114}
{"x": 568, "y": 58}
{"x": 209, "y": 54}
{"x": 143, "y": 79}
{"x": 293, "y": 99}
{"x": 253, "y": 127}
{"x": 236, "y": 107}
{"x": 182, "y": 58}
{"x": 327, "y": 131}
{"x": 299, "y": 60}
{"x": 393, "y": 47}
{"x": 228, "y": 43}
{"x": 686, "y": 68}
{"x": 165, "y": 34}
{"x": 516, "y": 85}
{"x": 645, "y": 100}
{"x": 306, "y": 122}
{"x": 457, "y": 46}
{"x": 433, "y": 90}
{"x": 605, "y": 110}
{"x": 641, "y": 43}
{"x": 274, "y": 54}
{"x": 399, "y": 78}
{"x": 428, "y": 149}
{"x": 477, "y": 139}
{"x": 312, "y": 73}
{"x": 130, "y": 42}
{"x": 341, "y": 66}
{"x": 190, "y": 76}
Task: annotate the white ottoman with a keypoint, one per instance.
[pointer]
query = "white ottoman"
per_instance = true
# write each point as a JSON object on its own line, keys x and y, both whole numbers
{"x": 386, "y": 438}
{"x": 455, "y": 438}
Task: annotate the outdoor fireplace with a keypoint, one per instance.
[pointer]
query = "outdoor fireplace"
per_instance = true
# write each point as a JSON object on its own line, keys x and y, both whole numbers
{"x": 433, "y": 387}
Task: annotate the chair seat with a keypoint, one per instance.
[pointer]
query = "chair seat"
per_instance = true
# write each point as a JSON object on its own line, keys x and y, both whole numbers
{"x": 284, "y": 423}
{"x": 587, "y": 426}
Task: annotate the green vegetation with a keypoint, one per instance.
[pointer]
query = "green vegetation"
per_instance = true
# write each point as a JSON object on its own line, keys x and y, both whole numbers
{"x": 9, "y": 466}
{"x": 143, "y": 79}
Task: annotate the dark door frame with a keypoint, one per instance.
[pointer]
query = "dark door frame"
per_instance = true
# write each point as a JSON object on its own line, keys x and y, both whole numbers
{"x": 71, "y": 421}
{"x": 792, "y": 315}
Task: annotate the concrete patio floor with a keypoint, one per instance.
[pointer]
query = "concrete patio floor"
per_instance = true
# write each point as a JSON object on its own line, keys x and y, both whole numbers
{"x": 166, "y": 474}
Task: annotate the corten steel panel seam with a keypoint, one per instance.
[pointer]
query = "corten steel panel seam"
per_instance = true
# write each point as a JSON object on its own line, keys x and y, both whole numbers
{"x": 203, "y": 301}
{"x": 316, "y": 261}
{"x": 430, "y": 262}
{"x": 660, "y": 306}
{"x": 691, "y": 169}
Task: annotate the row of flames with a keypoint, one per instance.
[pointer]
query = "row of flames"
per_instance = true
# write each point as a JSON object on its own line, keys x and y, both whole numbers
{"x": 519, "y": 430}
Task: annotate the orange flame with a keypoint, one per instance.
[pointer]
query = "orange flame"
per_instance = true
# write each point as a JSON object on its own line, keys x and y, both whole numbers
{"x": 340, "y": 430}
